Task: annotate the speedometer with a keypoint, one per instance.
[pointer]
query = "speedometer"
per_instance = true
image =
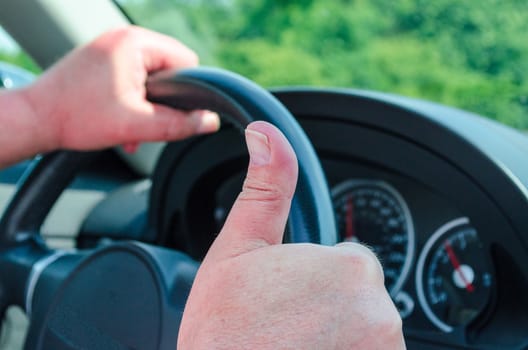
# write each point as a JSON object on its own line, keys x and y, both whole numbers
{"x": 374, "y": 213}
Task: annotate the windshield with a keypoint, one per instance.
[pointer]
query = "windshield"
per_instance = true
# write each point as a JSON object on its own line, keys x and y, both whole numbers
{"x": 469, "y": 54}
{"x": 11, "y": 53}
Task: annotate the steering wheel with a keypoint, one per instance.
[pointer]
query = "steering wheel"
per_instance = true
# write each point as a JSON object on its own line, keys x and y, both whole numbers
{"x": 131, "y": 294}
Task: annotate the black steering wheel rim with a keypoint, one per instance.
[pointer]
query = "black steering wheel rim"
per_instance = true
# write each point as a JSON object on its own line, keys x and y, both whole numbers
{"x": 311, "y": 217}
{"x": 241, "y": 101}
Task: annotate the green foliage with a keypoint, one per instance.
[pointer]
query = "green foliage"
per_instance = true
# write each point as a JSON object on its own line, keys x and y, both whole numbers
{"x": 469, "y": 54}
{"x": 271, "y": 65}
{"x": 179, "y": 22}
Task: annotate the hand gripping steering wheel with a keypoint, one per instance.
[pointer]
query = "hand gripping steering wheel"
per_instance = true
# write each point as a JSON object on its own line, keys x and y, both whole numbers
{"x": 131, "y": 295}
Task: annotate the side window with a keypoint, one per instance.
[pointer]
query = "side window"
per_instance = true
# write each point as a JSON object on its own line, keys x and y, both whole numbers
{"x": 16, "y": 67}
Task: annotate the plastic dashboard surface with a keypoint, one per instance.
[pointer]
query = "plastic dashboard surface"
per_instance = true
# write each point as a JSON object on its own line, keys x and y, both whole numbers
{"x": 439, "y": 194}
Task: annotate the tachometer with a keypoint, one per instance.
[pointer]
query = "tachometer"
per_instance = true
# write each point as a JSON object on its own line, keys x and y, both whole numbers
{"x": 453, "y": 276}
{"x": 374, "y": 213}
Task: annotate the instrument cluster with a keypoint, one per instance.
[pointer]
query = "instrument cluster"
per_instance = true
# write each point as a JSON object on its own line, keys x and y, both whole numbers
{"x": 444, "y": 275}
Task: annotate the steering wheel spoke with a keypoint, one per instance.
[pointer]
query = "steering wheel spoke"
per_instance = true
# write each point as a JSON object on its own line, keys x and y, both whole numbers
{"x": 16, "y": 265}
{"x": 21, "y": 265}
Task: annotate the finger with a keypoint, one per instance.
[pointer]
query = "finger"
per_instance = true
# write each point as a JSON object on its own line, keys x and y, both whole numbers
{"x": 131, "y": 147}
{"x": 163, "y": 52}
{"x": 166, "y": 124}
{"x": 259, "y": 214}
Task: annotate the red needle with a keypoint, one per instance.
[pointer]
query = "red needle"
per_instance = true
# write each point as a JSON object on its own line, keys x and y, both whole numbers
{"x": 350, "y": 233}
{"x": 456, "y": 264}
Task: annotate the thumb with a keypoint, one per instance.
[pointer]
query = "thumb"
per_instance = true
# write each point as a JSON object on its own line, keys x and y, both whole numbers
{"x": 259, "y": 215}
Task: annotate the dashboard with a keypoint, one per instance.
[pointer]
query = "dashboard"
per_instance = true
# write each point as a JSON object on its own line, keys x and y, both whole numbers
{"x": 439, "y": 194}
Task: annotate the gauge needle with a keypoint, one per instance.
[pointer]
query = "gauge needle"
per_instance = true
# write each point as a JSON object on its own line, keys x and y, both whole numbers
{"x": 456, "y": 264}
{"x": 350, "y": 233}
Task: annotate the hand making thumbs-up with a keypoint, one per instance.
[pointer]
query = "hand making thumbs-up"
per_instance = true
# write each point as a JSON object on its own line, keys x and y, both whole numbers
{"x": 253, "y": 292}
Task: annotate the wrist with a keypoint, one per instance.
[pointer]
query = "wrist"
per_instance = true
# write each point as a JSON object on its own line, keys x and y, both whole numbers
{"x": 46, "y": 129}
{"x": 16, "y": 132}
{"x": 24, "y": 130}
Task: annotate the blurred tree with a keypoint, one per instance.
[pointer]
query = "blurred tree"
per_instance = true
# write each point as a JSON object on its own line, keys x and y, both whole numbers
{"x": 469, "y": 54}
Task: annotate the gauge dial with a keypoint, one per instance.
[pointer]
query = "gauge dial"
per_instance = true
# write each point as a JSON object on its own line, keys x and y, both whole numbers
{"x": 453, "y": 277}
{"x": 374, "y": 213}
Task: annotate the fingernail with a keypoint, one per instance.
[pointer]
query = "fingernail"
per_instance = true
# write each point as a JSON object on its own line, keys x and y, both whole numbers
{"x": 208, "y": 122}
{"x": 258, "y": 147}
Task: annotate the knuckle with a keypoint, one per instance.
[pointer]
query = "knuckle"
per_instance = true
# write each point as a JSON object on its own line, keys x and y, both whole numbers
{"x": 115, "y": 37}
{"x": 270, "y": 201}
{"x": 362, "y": 261}
{"x": 390, "y": 325}
{"x": 383, "y": 324}
{"x": 389, "y": 321}
{"x": 267, "y": 207}
{"x": 123, "y": 33}
{"x": 193, "y": 59}
{"x": 263, "y": 191}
